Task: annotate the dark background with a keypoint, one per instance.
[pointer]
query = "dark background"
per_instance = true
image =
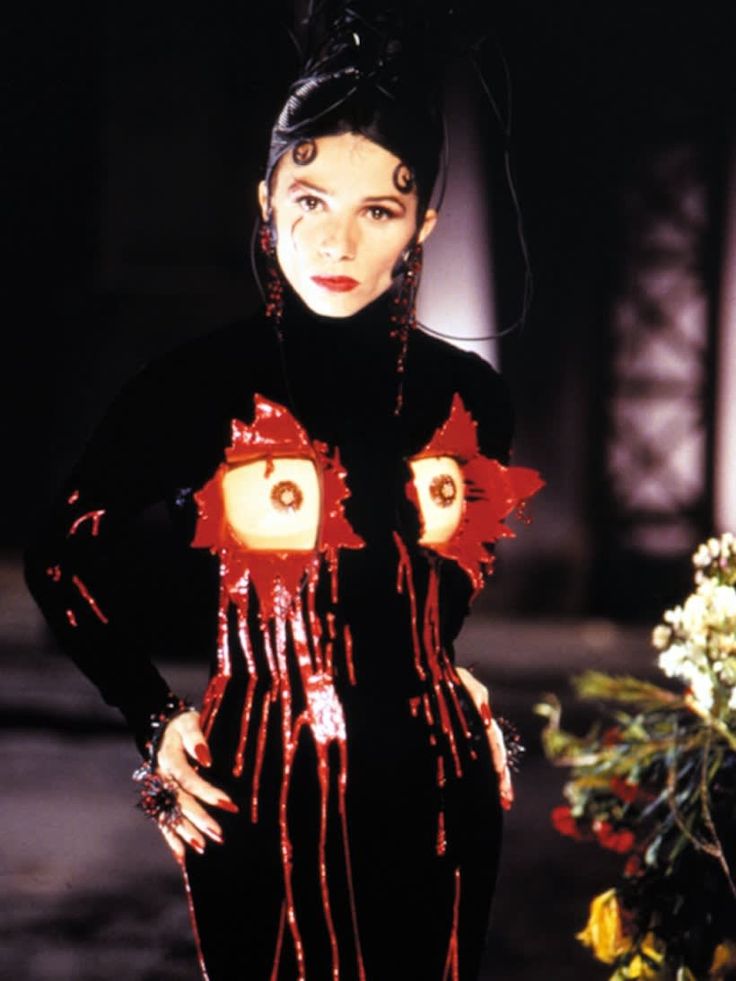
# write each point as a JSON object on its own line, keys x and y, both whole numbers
{"x": 134, "y": 137}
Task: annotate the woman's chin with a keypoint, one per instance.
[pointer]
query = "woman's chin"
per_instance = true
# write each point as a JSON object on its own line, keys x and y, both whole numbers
{"x": 332, "y": 303}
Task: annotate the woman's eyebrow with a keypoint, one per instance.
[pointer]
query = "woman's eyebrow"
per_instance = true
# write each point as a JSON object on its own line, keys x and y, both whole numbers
{"x": 384, "y": 198}
{"x": 302, "y": 185}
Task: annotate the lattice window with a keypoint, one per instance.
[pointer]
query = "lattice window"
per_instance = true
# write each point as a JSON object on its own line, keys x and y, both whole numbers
{"x": 657, "y": 418}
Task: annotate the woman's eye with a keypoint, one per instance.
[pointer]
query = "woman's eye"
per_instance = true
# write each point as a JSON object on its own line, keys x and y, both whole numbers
{"x": 379, "y": 213}
{"x": 308, "y": 203}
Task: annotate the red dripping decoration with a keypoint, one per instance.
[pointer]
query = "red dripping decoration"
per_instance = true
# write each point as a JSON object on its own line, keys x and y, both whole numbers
{"x": 73, "y": 497}
{"x": 90, "y": 599}
{"x": 348, "y": 644}
{"x": 452, "y": 963}
{"x": 492, "y": 493}
{"x": 431, "y": 664}
{"x": 93, "y": 516}
{"x": 193, "y": 922}
{"x": 441, "y": 846}
{"x": 280, "y": 579}
{"x": 71, "y": 618}
{"x": 54, "y": 572}
{"x": 279, "y": 944}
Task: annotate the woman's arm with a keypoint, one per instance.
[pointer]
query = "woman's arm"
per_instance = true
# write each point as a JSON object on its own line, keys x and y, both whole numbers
{"x": 81, "y": 569}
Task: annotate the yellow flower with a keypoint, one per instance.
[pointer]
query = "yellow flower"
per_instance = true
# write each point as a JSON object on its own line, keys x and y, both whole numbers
{"x": 604, "y": 932}
{"x": 724, "y": 958}
{"x": 647, "y": 963}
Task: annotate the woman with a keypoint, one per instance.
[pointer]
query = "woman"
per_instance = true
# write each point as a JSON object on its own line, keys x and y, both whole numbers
{"x": 335, "y": 805}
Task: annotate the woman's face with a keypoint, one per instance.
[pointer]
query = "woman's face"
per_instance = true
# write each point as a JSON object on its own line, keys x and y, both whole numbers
{"x": 341, "y": 224}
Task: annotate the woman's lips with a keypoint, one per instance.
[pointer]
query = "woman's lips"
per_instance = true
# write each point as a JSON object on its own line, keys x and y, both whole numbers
{"x": 337, "y": 284}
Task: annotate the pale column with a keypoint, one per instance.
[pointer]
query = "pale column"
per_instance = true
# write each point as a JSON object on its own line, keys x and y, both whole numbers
{"x": 456, "y": 295}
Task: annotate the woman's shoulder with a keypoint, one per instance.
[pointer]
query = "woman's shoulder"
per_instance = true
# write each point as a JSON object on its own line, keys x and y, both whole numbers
{"x": 239, "y": 341}
{"x": 466, "y": 370}
{"x": 482, "y": 389}
{"x": 209, "y": 360}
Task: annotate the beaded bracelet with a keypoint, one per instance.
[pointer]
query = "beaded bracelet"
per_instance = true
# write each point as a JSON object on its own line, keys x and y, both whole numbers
{"x": 173, "y": 707}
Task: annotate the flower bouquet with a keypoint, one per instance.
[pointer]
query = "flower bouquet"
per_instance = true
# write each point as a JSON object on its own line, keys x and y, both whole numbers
{"x": 656, "y": 782}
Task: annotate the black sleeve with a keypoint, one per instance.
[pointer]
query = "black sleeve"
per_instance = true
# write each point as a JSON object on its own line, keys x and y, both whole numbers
{"x": 77, "y": 564}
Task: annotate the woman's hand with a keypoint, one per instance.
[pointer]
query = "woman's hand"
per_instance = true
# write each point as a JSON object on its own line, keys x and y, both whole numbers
{"x": 479, "y": 693}
{"x": 182, "y": 740}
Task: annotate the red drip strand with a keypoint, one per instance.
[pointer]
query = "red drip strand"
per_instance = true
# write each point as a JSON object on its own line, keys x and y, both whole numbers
{"x": 71, "y": 618}
{"x": 279, "y": 944}
{"x": 315, "y": 625}
{"x": 342, "y": 787}
{"x": 252, "y": 681}
{"x": 93, "y": 516}
{"x": 289, "y": 741}
{"x": 90, "y": 599}
{"x": 404, "y": 576}
{"x": 216, "y": 688}
{"x": 73, "y": 497}
{"x": 54, "y": 572}
{"x": 348, "y": 643}
{"x": 260, "y": 748}
{"x": 492, "y": 493}
{"x": 441, "y": 779}
{"x": 452, "y": 681}
{"x": 452, "y": 963}
{"x": 414, "y": 704}
{"x": 432, "y": 649}
{"x": 193, "y": 921}
{"x": 211, "y": 702}
{"x": 427, "y": 709}
{"x": 244, "y": 725}
{"x": 441, "y": 846}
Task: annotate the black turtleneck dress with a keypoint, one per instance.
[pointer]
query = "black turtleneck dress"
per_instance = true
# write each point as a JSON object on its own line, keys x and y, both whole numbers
{"x": 369, "y": 822}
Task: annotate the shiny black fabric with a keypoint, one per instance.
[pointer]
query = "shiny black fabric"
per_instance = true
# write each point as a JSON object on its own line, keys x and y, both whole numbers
{"x": 161, "y": 441}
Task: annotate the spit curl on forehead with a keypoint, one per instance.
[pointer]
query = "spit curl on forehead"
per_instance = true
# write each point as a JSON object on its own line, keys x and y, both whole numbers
{"x": 305, "y": 151}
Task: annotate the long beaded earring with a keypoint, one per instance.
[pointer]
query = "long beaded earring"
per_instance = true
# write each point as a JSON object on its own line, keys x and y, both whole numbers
{"x": 404, "y": 316}
{"x": 274, "y": 281}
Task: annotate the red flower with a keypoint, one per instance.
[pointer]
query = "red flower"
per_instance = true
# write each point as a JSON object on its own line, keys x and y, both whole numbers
{"x": 565, "y": 823}
{"x": 625, "y": 791}
{"x": 616, "y": 841}
{"x": 633, "y": 865}
{"x": 611, "y": 736}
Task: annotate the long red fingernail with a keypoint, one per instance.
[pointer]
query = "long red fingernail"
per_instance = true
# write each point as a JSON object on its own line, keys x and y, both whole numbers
{"x": 485, "y": 714}
{"x": 227, "y": 805}
{"x": 203, "y": 754}
{"x": 197, "y": 846}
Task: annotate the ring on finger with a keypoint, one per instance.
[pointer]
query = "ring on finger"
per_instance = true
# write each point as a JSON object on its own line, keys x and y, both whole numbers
{"x": 158, "y": 797}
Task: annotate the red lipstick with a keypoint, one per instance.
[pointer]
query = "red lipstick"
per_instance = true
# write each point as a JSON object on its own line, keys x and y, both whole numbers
{"x": 336, "y": 284}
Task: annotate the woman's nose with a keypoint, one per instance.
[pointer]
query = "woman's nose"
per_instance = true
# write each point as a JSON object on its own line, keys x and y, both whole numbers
{"x": 338, "y": 240}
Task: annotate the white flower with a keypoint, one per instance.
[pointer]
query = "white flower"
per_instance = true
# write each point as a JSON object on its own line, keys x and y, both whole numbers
{"x": 673, "y": 660}
{"x": 702, "y": 688}
{"x": 661, "y": 637}
{"x": 724, "y": 602}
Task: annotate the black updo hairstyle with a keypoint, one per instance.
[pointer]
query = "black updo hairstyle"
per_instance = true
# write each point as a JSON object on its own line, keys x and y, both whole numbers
{"x": 376, "y": 74}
